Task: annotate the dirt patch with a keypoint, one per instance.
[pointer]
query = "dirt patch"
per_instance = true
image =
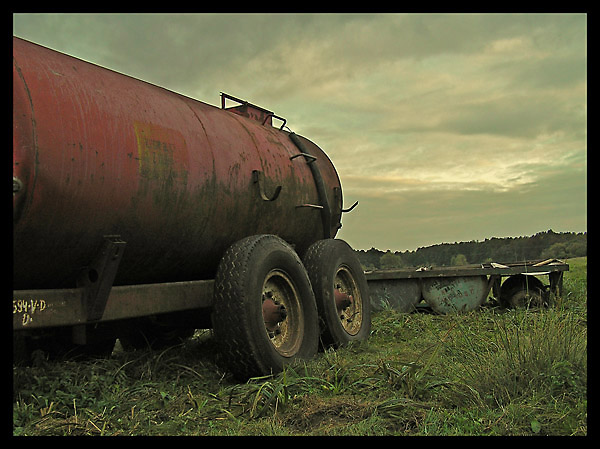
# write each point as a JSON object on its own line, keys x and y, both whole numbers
{"x": 315, "y": 414}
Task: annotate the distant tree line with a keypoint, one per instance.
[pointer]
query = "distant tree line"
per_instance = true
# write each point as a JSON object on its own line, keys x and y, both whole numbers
{"x": 543, "y": 245}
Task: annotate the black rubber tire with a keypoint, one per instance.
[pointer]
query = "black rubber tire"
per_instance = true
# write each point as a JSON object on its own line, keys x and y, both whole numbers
{"x": 247, "y": 269}
{"x": 522, "y": 291}
{"x": 331, "y": 262}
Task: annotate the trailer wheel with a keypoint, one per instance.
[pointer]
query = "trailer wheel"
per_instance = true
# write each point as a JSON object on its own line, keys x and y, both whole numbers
{"x": 341, "y": 292}
{"x": 264, "y": 313}
{"x": 523, "y": 291}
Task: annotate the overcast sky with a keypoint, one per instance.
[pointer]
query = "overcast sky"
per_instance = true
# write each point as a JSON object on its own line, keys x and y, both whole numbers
{"x": 445, "y": 128}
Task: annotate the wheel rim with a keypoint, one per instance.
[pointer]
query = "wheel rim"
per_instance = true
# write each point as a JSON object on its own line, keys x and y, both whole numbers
{"x": 527, "y": 299}
{"x": 348, "y": 300}
{"x": 282, "y": 313}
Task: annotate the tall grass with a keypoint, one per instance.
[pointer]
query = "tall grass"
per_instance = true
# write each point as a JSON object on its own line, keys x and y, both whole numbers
{"x": 545, "y": 352}
{"x": 487, "y": 372}
{"x": 533, "y": 359}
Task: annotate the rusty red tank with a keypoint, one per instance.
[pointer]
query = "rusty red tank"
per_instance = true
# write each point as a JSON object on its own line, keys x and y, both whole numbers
{"x": 98, "y": 153}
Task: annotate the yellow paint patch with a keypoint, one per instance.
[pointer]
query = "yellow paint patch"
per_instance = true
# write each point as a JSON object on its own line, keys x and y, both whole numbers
{"x": 162, "y": 152}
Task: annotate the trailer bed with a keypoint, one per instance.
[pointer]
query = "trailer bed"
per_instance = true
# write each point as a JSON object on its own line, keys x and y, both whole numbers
{"x": 457, "y": 288}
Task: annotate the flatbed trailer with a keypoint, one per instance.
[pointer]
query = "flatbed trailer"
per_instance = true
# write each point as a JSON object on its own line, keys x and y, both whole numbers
{"x": 465, "y": 288}
{"x": 443, "y": 289}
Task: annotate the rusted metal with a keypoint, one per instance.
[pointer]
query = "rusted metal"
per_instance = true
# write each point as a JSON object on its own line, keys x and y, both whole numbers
{"x": 455, "y": 294}
{"x": 349, "y": 300}
{"x": 97, "y": 279}
{"x": 99, "y": 153}
{"x": 506, "y": 269}
{"x": 34, "y": 309}
{"x": 282, "y": 312}
{"x": 342, "y": 300}
{"x": 273, "y": 314}
{"x": 394, "y": 293}
{"x": 258, "y": 179}
{"x": 454, "y": 289}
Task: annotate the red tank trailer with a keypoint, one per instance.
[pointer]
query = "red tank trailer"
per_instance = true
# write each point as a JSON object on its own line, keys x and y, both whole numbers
{"x": 132, "y": 202}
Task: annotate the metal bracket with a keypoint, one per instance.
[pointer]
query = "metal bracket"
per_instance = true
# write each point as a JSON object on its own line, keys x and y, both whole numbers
{"x": 314, "y": 206}
{"x": 351, "y": 207}
{"x": 308, "y": 157}
{"x": 97, "y": 279}
{"x": 258, "y": 178}
{"x": 271, "y": 115}
{"x": 262, "y": 113}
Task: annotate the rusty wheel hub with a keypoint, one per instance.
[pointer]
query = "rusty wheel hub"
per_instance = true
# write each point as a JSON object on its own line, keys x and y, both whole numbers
{"x": 342, "y": 300}
{"x": 273, "y": 314}
{"x": 348, "y": 300}
{"x": 282, "y": 313}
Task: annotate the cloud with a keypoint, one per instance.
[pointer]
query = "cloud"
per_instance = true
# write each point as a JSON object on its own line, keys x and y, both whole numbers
{"x": 442, "y": 125}
{"x": 413, "y": 218}
{"x": 518, "y": 115}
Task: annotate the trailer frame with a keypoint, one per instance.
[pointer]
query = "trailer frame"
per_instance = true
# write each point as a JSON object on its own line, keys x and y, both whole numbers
{"x": 398, "y": 288}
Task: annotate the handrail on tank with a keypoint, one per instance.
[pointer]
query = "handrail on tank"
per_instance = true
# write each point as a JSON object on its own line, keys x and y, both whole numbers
{"x": 269, "y": 114}
{"x": 240, "y": 101}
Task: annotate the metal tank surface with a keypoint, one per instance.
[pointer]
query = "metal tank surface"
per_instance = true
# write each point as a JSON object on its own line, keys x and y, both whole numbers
{"x": 98, "y": 153}
{"x": 141, "y": 214}
{"x": 457, "y": 294}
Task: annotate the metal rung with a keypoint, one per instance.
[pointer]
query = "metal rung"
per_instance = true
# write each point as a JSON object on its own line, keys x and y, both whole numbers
{"x": 309, "y": 157}
{"x": 314, "y": 206}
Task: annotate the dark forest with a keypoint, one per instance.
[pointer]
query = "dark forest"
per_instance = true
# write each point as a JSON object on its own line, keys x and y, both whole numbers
{"x": 543, "y": 245}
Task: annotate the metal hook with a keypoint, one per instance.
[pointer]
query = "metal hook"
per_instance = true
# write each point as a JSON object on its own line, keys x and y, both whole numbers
{"x": 257, "y": 178}
{"x": 351, "y": 207}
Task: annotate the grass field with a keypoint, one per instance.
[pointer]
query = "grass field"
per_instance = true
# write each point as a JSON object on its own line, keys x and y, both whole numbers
{"x": 488, "y": 372}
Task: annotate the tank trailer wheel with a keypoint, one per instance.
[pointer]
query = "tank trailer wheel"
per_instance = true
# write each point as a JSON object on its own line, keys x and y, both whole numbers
{"x": 341, "y": 292}
{"x": 523, "y": 291}
{"x": 264, "y": 313}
